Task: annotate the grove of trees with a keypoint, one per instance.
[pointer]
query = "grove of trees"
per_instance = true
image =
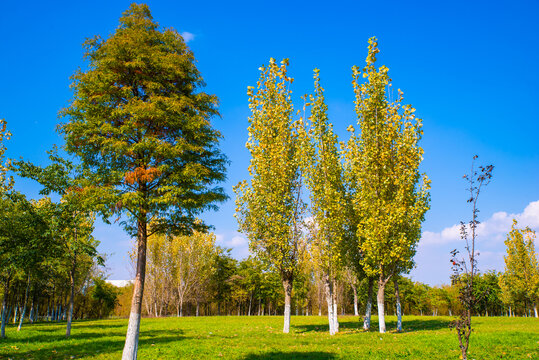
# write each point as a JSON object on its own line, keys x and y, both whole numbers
{"x": 329, "y": 222}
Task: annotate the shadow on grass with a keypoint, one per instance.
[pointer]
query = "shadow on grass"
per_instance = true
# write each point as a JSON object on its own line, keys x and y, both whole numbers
{"x": 407, "y": 325}
{"x": 291, "y": 356}
{"x": 77, "y": 346}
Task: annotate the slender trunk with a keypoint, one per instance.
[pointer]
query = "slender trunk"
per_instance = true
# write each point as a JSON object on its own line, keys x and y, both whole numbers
{"x": 535, "y": 309}
{"x": 259, "y": 306}
{"x": 181, "y": 307}
{"x": 36, "y": 313}
{"x": 16, "y": 311}
{"x": 72, "y": 293}
{"x": 398, "y": 301}
{"x": 335, "y": 308}
{"x": 287, "y": 285}
{"x": 329, "y": 299}
{"x": 250, "y": 303}
{"x": 319, "y": 300}
{"x": 24, "y": 304}
{"x": 198, "y": 308}
{"x": 356, "y": 310}
{"x": 33, "y": 310}
{"x": 367, "y": 320}
{"x": 381, "y": 309}
{"x": 131, "y": 338}
{"x": 4, "y": 311}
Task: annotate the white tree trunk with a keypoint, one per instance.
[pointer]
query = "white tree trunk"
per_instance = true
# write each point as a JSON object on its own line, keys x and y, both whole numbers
{"x": 71, "y": 299}
{"x": 133, "y": 327}
{"x": 4, "y": 313}
{"x": 24, "y": 304}
{"x": 367, "y": 319}
{"x": 399, "y": 311}
{"x": 329, "y": 299}
{"x": 381, "y": 309}
{"x": 335, "y": 308}
{"x": 356, "y": 310}
{"x": 287, "y": 285}
{"x": 535, "y": 309}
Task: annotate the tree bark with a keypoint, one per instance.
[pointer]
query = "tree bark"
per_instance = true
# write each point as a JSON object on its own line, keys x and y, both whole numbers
{"x": 32, "y": 309}
{"x": 133, "y": 327}
{"x": 23, "y": 312}
{"x": 398, "y": 301}
{"x": 535, "y": 309}
{"x": 72, "y": 293}
{"x": 367, "y": 320}
{"x": 4, "y": 311}
{"x": 335, "y": 308}
{"x": 381, "y": 308}
{"x": 329, "y": 299}
{"x": 356, "y": 310}
{"x": 287, "y": 285}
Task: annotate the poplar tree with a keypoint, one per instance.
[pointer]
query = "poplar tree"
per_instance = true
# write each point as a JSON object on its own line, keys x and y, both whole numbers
{"x": 140, "y": 124}
{"x": 520, "y": 280}
{"x": 324, "y": 180}
{"x": 269, "y": 206}
{"x": 391, "y": 194}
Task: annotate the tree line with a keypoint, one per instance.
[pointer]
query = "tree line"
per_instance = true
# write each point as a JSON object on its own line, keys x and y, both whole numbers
{"x": 195, "y": 277}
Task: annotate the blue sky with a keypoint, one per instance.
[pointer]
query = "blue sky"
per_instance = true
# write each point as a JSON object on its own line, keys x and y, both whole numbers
{"x": 469, "y": 68}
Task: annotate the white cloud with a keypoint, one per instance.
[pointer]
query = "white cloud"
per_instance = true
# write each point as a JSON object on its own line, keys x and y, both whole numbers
{"x": 187, "y": 36}
{"x": 238, "y": 241}
{"x": 493, "y": 229}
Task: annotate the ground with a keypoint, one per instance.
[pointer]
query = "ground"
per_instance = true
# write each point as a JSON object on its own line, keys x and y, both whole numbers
{"x": 253, "y": 338}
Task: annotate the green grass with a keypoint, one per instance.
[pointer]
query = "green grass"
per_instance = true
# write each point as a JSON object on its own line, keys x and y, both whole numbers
{"x": 253, "y": 338}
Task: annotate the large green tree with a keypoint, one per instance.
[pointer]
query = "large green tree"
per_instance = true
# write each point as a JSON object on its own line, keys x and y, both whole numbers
{"x": 269, "y": 207}
{"x": 391, "y": 194}
{"x": 140, "y": 123}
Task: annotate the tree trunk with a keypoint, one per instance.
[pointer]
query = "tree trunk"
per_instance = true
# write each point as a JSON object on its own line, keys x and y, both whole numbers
{"x": 198, "y": 308}
{"x": 335, "y": 308}
{"x": 133, "y": 327}
{"x": 4, "y": 311}
{"x": 329, "y": 299}
{"x": 181, "y": 307}
{"x": 367, "y": 320}
{"x": 287, "y": 285}
{"x": 535, "y": 309}
{"x": 356, "y": 310}
{"x": 32, "y": 309}
{"x": 24, "y": 304}
{"x": 72, "y": 293}
{"x": 381, "y": 309}
{"x": 398, "y": 301}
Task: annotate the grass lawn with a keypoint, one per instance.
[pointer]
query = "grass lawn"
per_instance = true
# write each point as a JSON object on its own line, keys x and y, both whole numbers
{"x": 255, "y": 338}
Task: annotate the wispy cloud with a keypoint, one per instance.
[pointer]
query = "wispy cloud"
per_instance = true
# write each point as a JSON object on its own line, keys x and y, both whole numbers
{"x": 187, "y": 36}
{"x": 493, "y": 229}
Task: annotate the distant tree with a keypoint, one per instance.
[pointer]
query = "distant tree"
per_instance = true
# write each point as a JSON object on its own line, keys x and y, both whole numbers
{"x": 520, "y": 280}
{"x": 141, "y": 126}
{"x": 269, "y": 207}
{"x": 73, "y": 219}
{"x": 225, "y": 267}
{"x": 391, "y": 195}
{"x": 465, "y": 269}
{"x": 191, "y": 260}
